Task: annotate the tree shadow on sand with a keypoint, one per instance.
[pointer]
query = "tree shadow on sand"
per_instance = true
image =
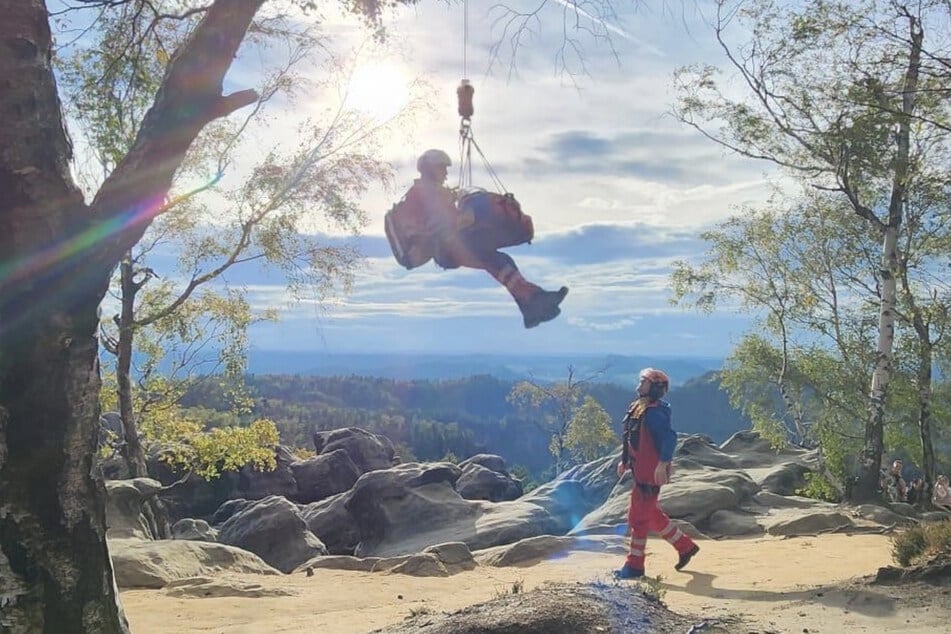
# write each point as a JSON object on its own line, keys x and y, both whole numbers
{"x": 853, "y": 599}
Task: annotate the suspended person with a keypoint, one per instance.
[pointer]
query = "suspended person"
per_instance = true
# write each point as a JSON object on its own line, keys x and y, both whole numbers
{"x": 649, "y": 443}
{"x": 451, "y": 236}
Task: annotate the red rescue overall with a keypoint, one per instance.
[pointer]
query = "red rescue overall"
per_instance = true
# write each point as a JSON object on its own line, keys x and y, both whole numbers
{"x": 644, "y": 515}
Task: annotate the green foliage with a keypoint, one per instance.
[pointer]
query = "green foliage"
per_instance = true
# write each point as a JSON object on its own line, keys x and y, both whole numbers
{"x": 576, "y": 431}
{"x": 188, "y": 448}
{"x": 921, "y": 542}
{"x": 589, "y": 434}
{"x": 818, "y": 488}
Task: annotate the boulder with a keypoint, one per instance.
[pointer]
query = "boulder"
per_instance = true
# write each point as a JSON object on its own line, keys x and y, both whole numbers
{"x": 418, "y": 565}
{"x": 597, "y": 478}
{"x": 793, "y": 524}
{"x": 750, "y": 449}
{"x": 325, "y": 475}
{"x": 153, "y": 564}
{"x": 273, "y": 529}
{"x": 339, "y": 562}
{"x": 530, "y": 551}
{"x": 490, "y": 461}
{"x": 729, "y": 523}
{"x": 566, "y": 502}
{"x": 212, "y": 587}
{"x": 229, "y": 509}
{"x": 124, "y": 507}
{"x": 774, "y": 500}
{"x": 786, "y": 478}
{"x": 699, "y": 450}
{"x": 196, "y": 530}
{"x": 254, "y": 484}
{"x": 404, "y": 509}
{"x": 882, "y": 515}
{"x": 368, "y": 451}
{"x": 479, "y": 483}
{"x": 330, "y": 521}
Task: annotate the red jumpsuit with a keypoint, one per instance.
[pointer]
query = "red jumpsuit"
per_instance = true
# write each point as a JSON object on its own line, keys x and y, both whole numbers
{"x": 650, "y": 441}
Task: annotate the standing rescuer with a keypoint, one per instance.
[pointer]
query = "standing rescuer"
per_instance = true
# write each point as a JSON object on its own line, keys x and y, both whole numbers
{"x": 649, "y": 443}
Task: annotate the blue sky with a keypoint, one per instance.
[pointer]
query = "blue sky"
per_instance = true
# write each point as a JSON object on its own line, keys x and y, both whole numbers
{"x": 617, "y": 188}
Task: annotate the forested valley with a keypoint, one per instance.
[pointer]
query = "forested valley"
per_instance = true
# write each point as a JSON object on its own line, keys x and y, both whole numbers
{"x": 453, "y": 419}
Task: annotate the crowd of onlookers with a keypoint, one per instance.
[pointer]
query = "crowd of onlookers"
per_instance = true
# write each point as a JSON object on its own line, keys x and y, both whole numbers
{"x": 916, "y": 491}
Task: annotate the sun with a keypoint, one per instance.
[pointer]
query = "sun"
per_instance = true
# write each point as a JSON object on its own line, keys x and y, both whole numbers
{"x": 380, "y": 90}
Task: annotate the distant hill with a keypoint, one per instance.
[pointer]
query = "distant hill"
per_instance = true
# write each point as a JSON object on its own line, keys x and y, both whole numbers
{"x": 429, "y": 419}
{"x": 618, "y": 369}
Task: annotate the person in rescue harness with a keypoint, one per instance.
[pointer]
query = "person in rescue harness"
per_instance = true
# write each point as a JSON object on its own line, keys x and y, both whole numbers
{"x": 453, "y": 248}
{"x": 649, "y": 443}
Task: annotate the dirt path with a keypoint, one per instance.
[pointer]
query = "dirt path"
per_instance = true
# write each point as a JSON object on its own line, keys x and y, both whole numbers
{"x": 770, "y": 583}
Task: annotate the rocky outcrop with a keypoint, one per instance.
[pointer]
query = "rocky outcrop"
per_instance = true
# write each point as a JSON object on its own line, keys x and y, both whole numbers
{"x": 273, "y": 529}
{"x": 367, "y": 451}
{"x": 325, "y": 475}
{"x": 330, "y": 521}
{"x": 154, "y": 564}
{"x": 485, "y": 477}
{"x": 125, "y": 502}
{"x": 196, "y": 530}
{"x": 388, "y": 506}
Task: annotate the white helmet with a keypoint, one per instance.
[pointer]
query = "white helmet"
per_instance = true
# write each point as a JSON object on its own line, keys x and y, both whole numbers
{"x": 433, "y": 158}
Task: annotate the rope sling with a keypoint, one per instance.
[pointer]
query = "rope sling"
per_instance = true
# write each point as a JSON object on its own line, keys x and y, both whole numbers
{"x": 464, "y": 94}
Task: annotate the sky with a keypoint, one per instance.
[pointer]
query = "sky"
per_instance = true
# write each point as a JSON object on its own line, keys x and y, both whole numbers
{"x": 617, "y": 188}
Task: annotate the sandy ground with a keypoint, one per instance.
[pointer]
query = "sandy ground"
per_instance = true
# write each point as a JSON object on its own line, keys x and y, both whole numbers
{"x": 773, "y": 585}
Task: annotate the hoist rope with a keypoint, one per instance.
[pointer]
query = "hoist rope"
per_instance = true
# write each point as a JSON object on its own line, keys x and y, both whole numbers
{"x": 466, "y": 139}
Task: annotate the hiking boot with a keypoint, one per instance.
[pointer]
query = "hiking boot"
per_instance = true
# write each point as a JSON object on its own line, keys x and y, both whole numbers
{"x": 686, "y": 557}
{"x": 542, "y": 306}
{"x": 627, "y": 572}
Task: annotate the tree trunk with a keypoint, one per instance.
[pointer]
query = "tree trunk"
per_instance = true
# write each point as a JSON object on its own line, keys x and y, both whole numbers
{"x": 56, "y": 258}
{"x": 131, "y": 448}
{"x": 924, "y": 412}
{"x": 866, "y": 488}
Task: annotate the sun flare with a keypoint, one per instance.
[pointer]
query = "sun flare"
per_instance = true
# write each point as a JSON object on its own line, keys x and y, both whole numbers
{"x": 380, "y": 90}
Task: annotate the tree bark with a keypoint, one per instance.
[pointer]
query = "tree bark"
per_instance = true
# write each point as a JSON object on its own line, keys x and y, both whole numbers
{"x": 866, "y": 488}
{"x": 56, "y": 259}
{"x": 924, "y": 406}
{"x": 131, "y": 448}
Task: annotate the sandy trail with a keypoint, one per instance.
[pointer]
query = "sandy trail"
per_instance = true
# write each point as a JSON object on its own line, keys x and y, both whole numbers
{"x": 770, "y": 583}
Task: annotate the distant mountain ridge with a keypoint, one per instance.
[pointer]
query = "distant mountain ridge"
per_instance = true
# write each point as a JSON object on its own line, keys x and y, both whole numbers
{"x": 619, "y": 369}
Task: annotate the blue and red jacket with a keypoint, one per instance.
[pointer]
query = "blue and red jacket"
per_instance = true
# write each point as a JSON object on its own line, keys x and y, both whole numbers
{"x": 648, "y": 439}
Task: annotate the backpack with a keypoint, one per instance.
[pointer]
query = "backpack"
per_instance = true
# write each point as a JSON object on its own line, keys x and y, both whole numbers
{"x": 407, "y": 231}
{"x": 497, "y": 220}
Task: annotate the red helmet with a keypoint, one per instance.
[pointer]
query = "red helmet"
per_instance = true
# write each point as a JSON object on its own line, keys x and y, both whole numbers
{"x": 659, "y": 381}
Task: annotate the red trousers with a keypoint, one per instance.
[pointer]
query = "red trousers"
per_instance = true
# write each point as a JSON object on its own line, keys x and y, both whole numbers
{"x": 644, "y": 516}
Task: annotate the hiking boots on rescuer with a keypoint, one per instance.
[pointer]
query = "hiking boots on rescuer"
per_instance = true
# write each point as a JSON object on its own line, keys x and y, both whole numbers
{"x": 686, "y": 557}
{"x": 629, "y": 572}
{"x": 542, "y": 306}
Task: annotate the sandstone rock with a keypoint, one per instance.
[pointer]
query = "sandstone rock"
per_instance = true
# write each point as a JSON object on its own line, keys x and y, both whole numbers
{"x": 387, "y": 507}
{"x": 784, "y": 479}
{"x": 274, "y": 530}
{"x": 530, "y": 551}
{"x": 254, "y": 484}
{"x": 323, "y": 476}
{"x": 196, "y": 530}
{"x": 367, "y": 451}
{"x": 330, "y": 521}
{"x": 700, "y": 450}
{"x": 124, "y": 502}
{"x": 229, "y": 509}
{"x": 798, "y": 523}
{"x": 153, "y": 564}
{"x": 490, "y": 461}
{"x": 479, "y": 483}
{"x": 729, "y": 523}
{"x": 208, "y": 587}
{"x": 774, "y": 500}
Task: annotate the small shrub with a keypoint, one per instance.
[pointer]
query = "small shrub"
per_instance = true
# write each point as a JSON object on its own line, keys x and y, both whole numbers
{"x": 651, "y": 588}
{"x": 518, "y": 587}
{"x": 818, "y": 488}
{"x": 921, "y": 542}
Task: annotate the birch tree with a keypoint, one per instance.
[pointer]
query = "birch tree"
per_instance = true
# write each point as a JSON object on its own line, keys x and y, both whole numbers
{"x": 833, "y": 94}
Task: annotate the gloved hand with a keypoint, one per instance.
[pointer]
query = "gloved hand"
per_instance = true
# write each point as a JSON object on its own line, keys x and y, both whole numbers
{"x": 621, "y": 468}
